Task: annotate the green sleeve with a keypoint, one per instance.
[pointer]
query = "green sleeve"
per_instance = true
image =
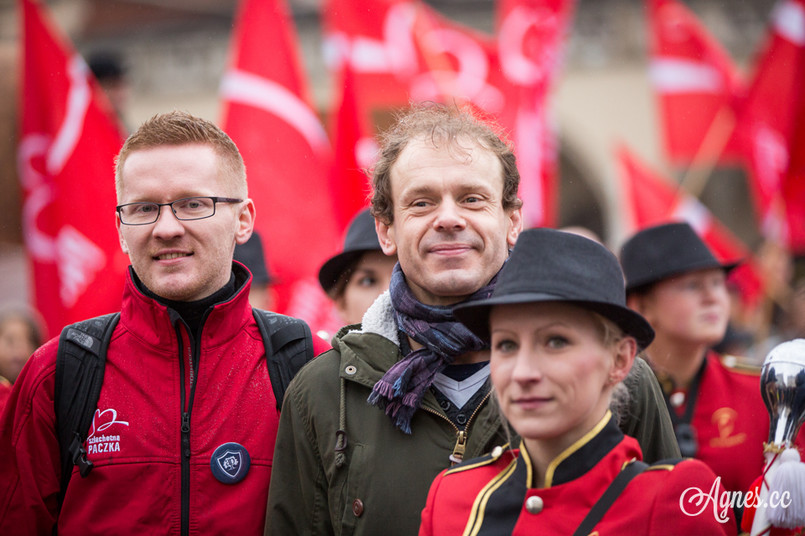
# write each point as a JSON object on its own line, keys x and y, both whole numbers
{"x": 647, "y": 418}
{"x": 297, "y": 497}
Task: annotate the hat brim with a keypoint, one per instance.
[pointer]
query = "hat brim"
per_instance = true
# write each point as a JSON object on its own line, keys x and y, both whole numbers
{"x": 671, "y": 272}
{"x": 475, "y": 315}
{"x": 332, "y": 270}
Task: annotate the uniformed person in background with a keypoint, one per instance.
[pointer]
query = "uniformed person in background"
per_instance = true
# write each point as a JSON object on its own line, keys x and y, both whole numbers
{"x": 676, "y": 283}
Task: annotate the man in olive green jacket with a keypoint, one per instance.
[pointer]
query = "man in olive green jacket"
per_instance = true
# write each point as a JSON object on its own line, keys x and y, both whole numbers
{"x": 366, "y": 426}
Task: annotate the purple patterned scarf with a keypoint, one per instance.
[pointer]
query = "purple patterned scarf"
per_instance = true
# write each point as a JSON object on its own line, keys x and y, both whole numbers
{"x": 400, "y": 391}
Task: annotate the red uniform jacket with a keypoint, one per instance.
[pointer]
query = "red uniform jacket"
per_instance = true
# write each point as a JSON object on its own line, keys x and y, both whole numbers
{"x": 5, "y": 392}
{"x": 494, "y": 495}
{"x": 731, "y": 423}
{"x": 136, "y": 486}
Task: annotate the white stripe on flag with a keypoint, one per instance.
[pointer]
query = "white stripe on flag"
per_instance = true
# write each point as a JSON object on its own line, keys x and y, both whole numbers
{"x": 253, "y": 90}
{"x": 789, "y": 21}
{"x": 684, "y": 76}
{"x": 78, "y": 99}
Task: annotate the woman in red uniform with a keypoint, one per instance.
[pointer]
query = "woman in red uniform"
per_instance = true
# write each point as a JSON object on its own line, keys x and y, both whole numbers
{"x": 562, "y": 340}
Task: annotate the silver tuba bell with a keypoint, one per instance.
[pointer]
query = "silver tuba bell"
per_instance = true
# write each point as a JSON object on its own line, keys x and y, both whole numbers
{"x": 782, "y": 386}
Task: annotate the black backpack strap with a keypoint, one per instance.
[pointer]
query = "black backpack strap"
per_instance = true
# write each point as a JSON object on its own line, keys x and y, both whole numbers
{"x": 610, "y": 496}
{"x": 289, "y": 345}
{"x": 80, "y": 361}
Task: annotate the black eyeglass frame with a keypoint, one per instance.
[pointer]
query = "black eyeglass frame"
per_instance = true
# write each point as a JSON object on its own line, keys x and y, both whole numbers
{"x": 215, "y": 200}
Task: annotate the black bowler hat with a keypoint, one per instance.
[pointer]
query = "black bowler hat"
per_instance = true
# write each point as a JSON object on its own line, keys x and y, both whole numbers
{"x": 361, "y": 237}
{"x": 547, "y": 265}
{"x": 659, "y": 252}
{"x": 251, "y": 254}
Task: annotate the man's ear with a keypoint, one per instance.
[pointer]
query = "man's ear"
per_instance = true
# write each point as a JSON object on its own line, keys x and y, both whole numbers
{"x": 515, "y": 226}
{"x": 385, "y": 235}
{"x": 246, "y": 217}
{"x": 119, "y": 228}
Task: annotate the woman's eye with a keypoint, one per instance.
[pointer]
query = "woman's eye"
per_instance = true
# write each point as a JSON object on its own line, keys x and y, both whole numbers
{"x": 556, "y": 342}
{"x": 366, "y": 281}
{"x": 505, "y": 346}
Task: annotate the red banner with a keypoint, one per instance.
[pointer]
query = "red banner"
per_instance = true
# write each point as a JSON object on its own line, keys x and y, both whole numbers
{"x": 404, "y": 51}
{"x": 768, "y": 124}
{"x": 793, "y": 188}
{"x": 530, "y": 34}
{"x": 651, "y": 199}
{"x": 696, "y": 83}
{"x": 355, "y": 150}
{"x": 267, "y": 112}
{"x": 68, "y": 140}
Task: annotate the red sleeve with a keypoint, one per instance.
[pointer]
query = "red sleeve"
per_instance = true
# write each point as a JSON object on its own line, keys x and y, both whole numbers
{"x": 688, "y": 501}
{"x": 426, "y": 525}
{"x": 29, "y": 451}
{"x": 5, "y": 392}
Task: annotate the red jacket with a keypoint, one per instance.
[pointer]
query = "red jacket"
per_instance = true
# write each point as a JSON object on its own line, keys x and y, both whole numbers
{"x": 495, "y": 495}
{"x": 136, "y": 486}
{"x": 731, "y": 423}
{"x": 5, "y": 392}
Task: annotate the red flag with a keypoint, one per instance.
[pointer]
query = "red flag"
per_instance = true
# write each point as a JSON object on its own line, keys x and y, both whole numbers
{"x": 696, "y": 83}
{"x": 68, "y": 141}
{"x": 793, "y": 188}
{"x": 373, "y": 39}
{"x": 768, "y": 123}
{"x": 407, "y": 51}
{"x": 651, "y": 199}
{"x": 267, "y": 112}
{"x": 355, "y": 150}
{"x": 530, "y": 34}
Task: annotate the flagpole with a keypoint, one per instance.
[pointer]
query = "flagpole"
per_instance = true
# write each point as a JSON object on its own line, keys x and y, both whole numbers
{"x": 704, "y": 161}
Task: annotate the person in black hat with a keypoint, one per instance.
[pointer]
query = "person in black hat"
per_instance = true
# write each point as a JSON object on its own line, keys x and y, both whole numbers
{"x": 357, "y": 275}
{"x": 252, "y": 255}
{"x": 562, "y": 342}
{"x": 111, "y": 73}
{"x": 679, "y": 286}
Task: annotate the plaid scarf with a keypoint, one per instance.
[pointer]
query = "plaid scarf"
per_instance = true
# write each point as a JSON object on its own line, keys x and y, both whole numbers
{"x": 400, "y": 391}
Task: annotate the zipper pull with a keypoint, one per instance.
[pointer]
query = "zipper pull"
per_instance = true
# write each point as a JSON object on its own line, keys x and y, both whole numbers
{"x": 185, "y": 422}
{"x": 461, "y": 445}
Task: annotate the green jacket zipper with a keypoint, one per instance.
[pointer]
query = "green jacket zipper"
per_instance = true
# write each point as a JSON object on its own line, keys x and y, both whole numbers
{"x": 457, "y": 456}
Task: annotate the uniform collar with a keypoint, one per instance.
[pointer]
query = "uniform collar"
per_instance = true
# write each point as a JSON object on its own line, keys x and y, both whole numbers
{"x": 577, "y": 459}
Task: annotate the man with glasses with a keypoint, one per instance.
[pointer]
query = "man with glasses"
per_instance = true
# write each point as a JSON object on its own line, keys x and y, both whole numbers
{"x": 183, "y": 436}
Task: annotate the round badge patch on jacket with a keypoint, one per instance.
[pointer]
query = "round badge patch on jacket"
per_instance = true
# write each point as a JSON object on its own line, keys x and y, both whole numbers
{"x": 230, "y": 463}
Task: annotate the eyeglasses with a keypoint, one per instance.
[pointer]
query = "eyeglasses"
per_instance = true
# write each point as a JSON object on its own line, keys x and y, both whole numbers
{"x": 189, "y": 208}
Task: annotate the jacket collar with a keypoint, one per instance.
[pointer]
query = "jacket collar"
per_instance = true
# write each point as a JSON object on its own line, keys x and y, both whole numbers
{"x": 577, "y": 459}
{"x": 151, "y": 321}
{"x": 379, "y": 319}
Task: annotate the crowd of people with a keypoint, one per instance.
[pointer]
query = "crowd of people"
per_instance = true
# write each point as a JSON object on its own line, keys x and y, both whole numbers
{"x": 487, "y": 380}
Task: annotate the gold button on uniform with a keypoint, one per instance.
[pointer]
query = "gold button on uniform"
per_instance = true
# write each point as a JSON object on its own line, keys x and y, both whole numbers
{"x": 533, "y": 505}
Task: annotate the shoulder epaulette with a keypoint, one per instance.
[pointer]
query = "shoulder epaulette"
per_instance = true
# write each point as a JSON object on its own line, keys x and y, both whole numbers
{"x": 739, "y": 364}
{"x": 481, "y": 461}
{"x": 665, "y": 465}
